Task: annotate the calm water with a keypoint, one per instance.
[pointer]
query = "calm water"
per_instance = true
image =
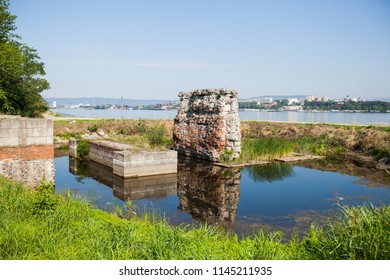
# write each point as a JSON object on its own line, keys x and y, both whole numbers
{"x": 345, "y": 118}
{"x": 275, "y": 196}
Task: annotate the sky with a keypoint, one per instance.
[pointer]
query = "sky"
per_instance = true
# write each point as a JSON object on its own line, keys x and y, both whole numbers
{"x": 153, "y": 49}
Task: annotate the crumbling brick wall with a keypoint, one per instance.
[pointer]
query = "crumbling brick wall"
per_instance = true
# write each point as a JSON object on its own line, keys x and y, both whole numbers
{"x": 26, "y": 149}
{"x": 207, "y": 124}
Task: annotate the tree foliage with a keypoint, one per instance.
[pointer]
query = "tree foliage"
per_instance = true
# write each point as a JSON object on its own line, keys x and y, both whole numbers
{"x": 21, "y": 71}
{"x": 377, "y": 106}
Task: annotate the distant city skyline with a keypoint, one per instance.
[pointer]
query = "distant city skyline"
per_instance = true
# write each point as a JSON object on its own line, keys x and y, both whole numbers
{"x": 155, "y": 49}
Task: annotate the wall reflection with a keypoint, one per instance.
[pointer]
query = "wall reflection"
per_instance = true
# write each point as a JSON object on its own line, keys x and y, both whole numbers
{"x": 145, "y": 187}
{"x": 124, "y": 189}
{"x": 209, "y": 193}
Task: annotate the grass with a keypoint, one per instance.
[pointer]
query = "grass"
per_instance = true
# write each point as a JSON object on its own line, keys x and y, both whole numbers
{"x": 42, "y": 225}
{"x": 260, "y": 140}
{"x": 323, "y": 139}
{"x": 265, "y": 148}
{"x": 141, "y": 133}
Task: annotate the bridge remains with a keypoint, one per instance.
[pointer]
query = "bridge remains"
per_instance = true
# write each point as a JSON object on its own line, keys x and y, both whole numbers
{"x": 207, "y": 124}
{"x": 127, "y": 163}
{"x": 26, "y": 149}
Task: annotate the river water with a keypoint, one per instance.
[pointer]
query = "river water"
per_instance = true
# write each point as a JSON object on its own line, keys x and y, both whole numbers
{"x": 275, "y": 196}
{"x": 315, "y": 117}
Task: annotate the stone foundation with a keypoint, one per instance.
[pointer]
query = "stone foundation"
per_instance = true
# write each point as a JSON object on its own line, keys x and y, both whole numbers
{"x": 126, "y": 163}
{"x": 207, "y": 124}
{"x": 26, "y": 149}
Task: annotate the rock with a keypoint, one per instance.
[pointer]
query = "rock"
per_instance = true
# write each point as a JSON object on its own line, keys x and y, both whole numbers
{"x": 101, "y": 133}
{"x": 207, "y": 124}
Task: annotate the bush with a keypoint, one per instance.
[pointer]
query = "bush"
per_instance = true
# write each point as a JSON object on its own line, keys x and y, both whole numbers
{"x": 156, "y": 135}
{"x": 82, "y": 149}
{"x": 45, "y": 198}
{"x": 93, "y": 128}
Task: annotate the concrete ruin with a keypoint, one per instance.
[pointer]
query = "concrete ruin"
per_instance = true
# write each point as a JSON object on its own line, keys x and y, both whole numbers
{"x": 207, "y": 125}
{"x": 26, "y": 149}
{"x": 127, "y": 163}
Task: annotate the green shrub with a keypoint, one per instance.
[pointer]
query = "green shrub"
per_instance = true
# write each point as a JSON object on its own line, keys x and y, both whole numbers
{"x": 45, "y": 198}
{"x": 82, "y": 149}
{"x": 93, "y": 128}
{"x": 156, "y": 135}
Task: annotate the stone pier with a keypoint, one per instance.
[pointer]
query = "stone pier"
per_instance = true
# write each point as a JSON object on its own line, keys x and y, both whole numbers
{"x": 207, "y": 124}
{"x": 26, "y": 149}
{"x": 127, "y": 163}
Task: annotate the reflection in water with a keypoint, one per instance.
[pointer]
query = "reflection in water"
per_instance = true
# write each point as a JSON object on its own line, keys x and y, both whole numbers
{"x": 125, "y": 189}
{"x": 276, "y": 196}
{"x": 209, "y": 193}
{"x": 369, "y": 176}
{"x": 145, "y": 187}
{"x": 274, "y": 171}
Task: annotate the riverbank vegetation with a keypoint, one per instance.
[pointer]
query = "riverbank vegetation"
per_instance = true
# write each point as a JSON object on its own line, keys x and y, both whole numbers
{"x": 260, "y": 140}
{"x": 42, "y": 225}
{"x": 348, "y": 105}
{"x": 21, "y": 71}
{"x": 140, "y": 133}
{"x": 332, "y": 140}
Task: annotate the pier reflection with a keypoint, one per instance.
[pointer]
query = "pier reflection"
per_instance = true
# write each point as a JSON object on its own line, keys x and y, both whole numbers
{"x": 145, "y": 187}
{"x": 124, "y": 189}
{"x": 209, "y": 193}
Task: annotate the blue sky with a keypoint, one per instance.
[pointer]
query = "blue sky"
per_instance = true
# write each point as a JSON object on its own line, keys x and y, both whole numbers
{"x": 155, "y": 49}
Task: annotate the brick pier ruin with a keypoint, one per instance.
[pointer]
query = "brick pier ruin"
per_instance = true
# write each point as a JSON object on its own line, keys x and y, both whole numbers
{"x": 207, "y": 125}
{"x": 26, "y": 149}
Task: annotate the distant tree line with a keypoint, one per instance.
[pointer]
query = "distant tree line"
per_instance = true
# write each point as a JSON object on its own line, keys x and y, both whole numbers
{"x": 377, "y": 106}
{"x": 366, "y": 106}
{"x": 21, "y": 71}
{"x": 253, "y": 105}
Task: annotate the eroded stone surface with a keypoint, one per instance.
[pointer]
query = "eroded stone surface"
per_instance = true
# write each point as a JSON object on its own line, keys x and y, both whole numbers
{"x": 207, "y": 124}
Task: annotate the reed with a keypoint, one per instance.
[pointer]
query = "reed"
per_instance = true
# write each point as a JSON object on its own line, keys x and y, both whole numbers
{"x": 265, "y": 148}
{"x": 360, "y": 233}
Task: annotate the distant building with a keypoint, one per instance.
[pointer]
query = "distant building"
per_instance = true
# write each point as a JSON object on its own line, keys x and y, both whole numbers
{"x": 292, "y": 101}
{"x": 265, "y": 100}
{"x": 310, "y": 98}
{"x": 53, "y": 105}
{"x": 317, "y": 98}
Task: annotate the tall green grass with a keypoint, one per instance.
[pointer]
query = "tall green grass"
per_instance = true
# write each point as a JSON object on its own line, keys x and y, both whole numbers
{"x": 361, "y": 233}
{"x": 42, "y": 225}
{"x": 265, "y": 148}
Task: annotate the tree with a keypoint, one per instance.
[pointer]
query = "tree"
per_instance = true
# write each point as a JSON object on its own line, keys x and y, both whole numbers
{"x": 21, "y": 71}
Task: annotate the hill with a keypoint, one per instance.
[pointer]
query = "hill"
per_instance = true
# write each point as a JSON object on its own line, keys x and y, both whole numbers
{"x": 103, "y": 101}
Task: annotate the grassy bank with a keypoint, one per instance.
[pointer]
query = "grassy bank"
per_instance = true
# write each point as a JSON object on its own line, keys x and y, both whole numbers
{"x": 140, "y": 133}
{"x": 320, "y": 139}
{"x": 260, "y": 140}
{"x": 42, "y": 225}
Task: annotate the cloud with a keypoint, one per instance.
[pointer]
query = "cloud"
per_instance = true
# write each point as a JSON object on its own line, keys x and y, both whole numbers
{"x": 178, "y": 64}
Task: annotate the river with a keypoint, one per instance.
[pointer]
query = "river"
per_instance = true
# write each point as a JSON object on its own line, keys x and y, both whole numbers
{"x": 276, "y": 196}
{"x": 312, "y": 117}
